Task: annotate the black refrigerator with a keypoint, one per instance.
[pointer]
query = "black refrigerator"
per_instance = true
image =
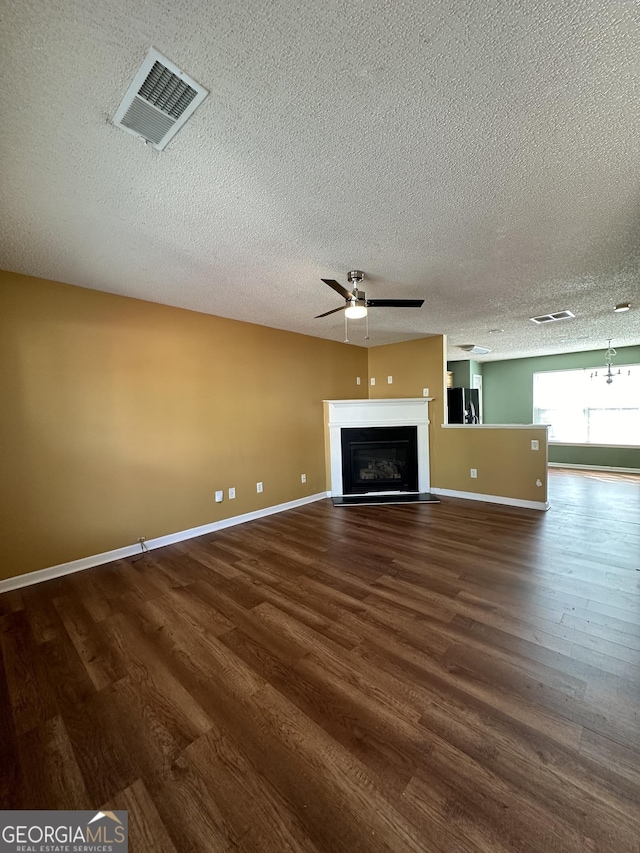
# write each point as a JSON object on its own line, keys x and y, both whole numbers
{"x": 463, "y": 406}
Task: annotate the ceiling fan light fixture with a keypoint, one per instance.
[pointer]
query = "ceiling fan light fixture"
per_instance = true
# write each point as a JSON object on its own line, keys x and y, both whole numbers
{"x": 357, "y": 305}
{"x": 621, "y": 307}
{"x": 353, "y": 311}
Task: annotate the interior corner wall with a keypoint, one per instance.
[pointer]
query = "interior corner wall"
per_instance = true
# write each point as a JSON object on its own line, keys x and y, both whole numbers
{"x": 475, "y": 369}
{"x": 120, "y": 418}
{"x": 508, "y": 398}
{"x": 413, "y": 366}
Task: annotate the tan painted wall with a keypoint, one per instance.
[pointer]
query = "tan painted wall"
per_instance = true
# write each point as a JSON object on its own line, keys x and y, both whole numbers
{"x": 120, "y": 418}
{"x": 503, "y": 458}
{"x": 506, "y": 464}
{"x": 414, "y": 366}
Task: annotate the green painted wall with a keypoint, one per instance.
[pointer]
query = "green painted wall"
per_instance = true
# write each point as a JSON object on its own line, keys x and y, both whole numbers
{"x": 508, "y": 399}
{"x": 611, "y": 457}
{"x": 460, "y": 370}
{"x": 463, "y": 371}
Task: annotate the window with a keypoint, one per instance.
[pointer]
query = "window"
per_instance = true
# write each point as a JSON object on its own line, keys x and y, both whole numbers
{"x": 585, "y": 410}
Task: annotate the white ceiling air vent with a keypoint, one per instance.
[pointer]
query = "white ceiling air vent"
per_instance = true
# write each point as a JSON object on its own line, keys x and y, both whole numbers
{"x": 551, "y": 318}
{"x": 159, "y": 101}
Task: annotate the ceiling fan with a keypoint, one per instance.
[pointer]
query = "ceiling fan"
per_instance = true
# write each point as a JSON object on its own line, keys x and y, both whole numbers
{"x": 356, "y": 303}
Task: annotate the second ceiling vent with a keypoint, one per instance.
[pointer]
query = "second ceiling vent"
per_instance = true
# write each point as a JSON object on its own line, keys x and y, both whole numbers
{"x": 551, "y": 318}
{"x": 159, "y": 101}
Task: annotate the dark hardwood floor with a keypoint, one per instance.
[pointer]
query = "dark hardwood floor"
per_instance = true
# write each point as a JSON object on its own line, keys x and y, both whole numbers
{"x": 452, "y": 677}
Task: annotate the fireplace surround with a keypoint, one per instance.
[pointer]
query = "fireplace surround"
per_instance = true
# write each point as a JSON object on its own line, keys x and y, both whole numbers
{"x": 343, "y": 416}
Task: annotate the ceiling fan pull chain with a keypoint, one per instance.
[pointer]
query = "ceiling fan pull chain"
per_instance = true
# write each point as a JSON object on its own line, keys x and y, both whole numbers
{"x": 366, "y": 327}
{"x": 346, "y": 330}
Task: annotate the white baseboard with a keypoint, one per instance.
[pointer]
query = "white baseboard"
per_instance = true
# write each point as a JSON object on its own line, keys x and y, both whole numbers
{"x": 594, "y": 467}
{"x": 492, "y": 499}
{"x": 130, "y": 550}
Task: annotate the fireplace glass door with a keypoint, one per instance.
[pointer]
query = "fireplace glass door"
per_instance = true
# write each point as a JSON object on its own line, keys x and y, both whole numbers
{"x": 379, "y": 459}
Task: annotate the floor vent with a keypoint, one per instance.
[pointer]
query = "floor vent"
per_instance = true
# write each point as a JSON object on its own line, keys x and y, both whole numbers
{"x": 551, "y": 318}
{"x": 159, "y": 101}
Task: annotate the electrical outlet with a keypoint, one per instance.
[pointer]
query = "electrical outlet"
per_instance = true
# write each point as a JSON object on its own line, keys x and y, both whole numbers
{"x": 389, "y": 380}
{"x": 219, "y": 497}
{"x": 357, "y": 380}
{"x": 425, "y": 392}
{"x": 258, "y": 487}
{"x": 373, "y": 380}
{"x": 473, "y": 473}
{"x": 303, "y": 478}
{"x": 535, "y": 444}
{"x": 232, "y": 493}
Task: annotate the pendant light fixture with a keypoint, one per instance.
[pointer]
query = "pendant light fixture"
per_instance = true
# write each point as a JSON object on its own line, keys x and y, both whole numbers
{"x": 608, "y": 358}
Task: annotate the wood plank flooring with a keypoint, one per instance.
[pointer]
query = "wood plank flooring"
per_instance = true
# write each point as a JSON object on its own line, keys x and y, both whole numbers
{"x": 454, "y": 677}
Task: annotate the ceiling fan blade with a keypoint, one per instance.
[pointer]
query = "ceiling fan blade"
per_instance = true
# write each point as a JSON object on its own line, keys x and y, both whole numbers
{"x": 326, "y": 313}
{"x": 395, "y": 303}
{"x": 337, "y": 287}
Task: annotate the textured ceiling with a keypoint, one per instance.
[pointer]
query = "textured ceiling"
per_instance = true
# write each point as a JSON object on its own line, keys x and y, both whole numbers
{"x": 483, "y": 156}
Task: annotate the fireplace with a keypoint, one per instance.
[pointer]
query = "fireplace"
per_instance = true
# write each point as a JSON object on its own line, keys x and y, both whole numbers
{"x": 381, "y": 418}
{"x": 379, "y": 459}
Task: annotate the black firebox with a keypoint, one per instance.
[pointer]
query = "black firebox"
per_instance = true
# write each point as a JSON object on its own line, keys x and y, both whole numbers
{"x": 379, "y": 459}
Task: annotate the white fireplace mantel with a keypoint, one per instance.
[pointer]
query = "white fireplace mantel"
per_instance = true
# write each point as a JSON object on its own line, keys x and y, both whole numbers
{"x": 406, "y": 411}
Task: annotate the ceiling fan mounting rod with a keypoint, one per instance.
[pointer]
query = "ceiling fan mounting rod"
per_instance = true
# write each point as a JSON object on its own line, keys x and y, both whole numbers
{"x": 354, "y": 277}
